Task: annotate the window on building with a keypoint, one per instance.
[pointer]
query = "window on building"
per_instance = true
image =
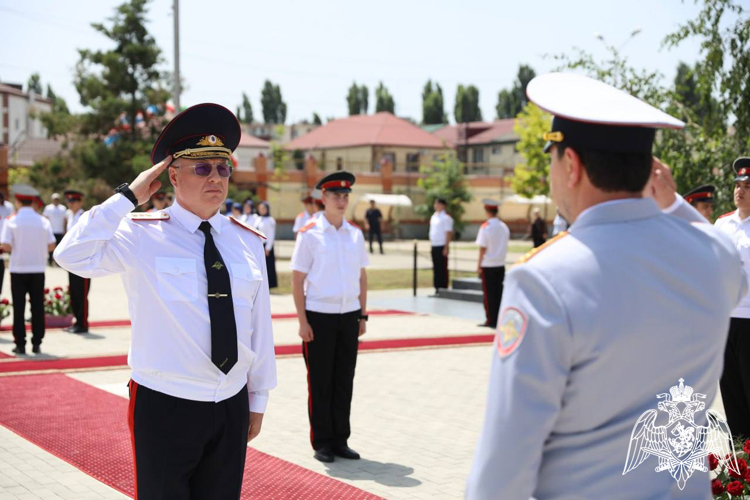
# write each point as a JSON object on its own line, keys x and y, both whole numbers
{"x": 412, "y": 162}
{"x": 478, "y": 155}
{"x": 496, "y": 150}
{"x": 339, "y": 163}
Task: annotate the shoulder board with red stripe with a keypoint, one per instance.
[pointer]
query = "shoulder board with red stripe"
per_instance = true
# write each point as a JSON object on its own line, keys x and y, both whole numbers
{"x": 249, "y": 228}
{"x": 11, "y": 216}
{"x": 148, "y": 216}
{"x": 727, "y": 214}
{"x": 353, "y": 224}
{"x": 301, "y": 214}
{"x": 308, "y": 226}
{"x": 538, "y": 249}
{"x": 486, "y": 223}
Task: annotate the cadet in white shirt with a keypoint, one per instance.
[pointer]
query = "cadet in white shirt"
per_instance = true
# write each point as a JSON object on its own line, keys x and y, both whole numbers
{"x": 79, "y": 286}
{"x": 702, "y": 199}
{"x": 267, "y": 225}
{"x": 202, "y": 345}
{"x": 57, "y": 215}
{"x": 301, "y": 220}
{"x": 441, "y": 232}
{"x": 735, "y": 381}
{"x": 492, "y": 238}
{"x": 329, "y": 284}
{"x": 598, "y": 322}
{"x": 28, "y": 237}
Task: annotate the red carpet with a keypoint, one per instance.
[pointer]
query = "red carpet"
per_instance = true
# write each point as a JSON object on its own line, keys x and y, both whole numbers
{"x": 87, "y": 428}
{"x": 24, "y": 365}
{"x": 4, "y": 356}
{"x": 126, "y": 322}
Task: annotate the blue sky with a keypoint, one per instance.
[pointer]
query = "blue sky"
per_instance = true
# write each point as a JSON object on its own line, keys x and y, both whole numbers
{"x": 316, "y": 49}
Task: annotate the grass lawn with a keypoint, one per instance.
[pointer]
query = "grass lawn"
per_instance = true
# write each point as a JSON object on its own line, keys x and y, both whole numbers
{"x": 382, "y": 279}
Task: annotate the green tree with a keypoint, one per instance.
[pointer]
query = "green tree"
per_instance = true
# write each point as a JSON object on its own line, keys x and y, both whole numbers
{"x": 34, "y": 84}
{"x": 466, "y": 108}
{"x": 530, "y": 177}
{"x": 364, "y": 98}
{"x": 316, "y": 119}
{"x": 274, "y": 107}
{"x": 445, "y": 179}
{"x": 353, "y": 100}
{"x": 384, "y": 100}
{"x": 247, "y": 110}
{"x": 433, "y": 107}
{"x": 511, "y": 102}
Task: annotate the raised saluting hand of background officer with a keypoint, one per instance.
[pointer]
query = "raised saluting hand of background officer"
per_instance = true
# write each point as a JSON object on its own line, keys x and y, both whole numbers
{"x": 147, "y": 183}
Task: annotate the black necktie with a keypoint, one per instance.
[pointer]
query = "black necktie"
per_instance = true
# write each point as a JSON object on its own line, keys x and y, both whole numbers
{"x": 220, "y": 308}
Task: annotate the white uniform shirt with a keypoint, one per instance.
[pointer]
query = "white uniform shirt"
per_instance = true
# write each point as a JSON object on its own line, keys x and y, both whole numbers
{"x": 29, "y": 235}
{"x": 333, "y": 260}
{"x": 6, "y": 210}
{"x": 57, "y": 214}
{"x": 267, "y": 226}
{"x": 739, "y": 231}
{"x": 494, "y": 236}
{"x": 73, "y": 217}
{"x": 301, "y": 221}
{"x": 440, "y": 224}
{"x": 591, "y": 329}
{"x": 162, "y": 267}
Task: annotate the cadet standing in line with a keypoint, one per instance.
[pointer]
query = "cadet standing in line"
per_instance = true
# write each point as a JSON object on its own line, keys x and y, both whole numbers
{"x": 329, "y": 284}
{"x": 28, "y": 237}
{"x": 702, "y": 199}
{"x": 492, "y": 238}
{"x": 596, "y": 324}
{"x": 79, "y": 286}
{"x": 735, "y": 381}
{"x": 301, "y": 220}
{"x": 441, "y": 233}
{"x": 57, "y": 215}
{"x": 202, "y": 346}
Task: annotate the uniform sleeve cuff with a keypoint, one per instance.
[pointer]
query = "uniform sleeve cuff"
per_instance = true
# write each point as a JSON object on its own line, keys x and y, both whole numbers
{"x": 258, "y": 401}
{"x": 678, "y": 200}
{"x": 119, "y": 204}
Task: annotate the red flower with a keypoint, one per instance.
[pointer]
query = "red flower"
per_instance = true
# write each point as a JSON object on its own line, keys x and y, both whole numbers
{"x": 735, "y": 488}
{"x": 46, "y": 290}
{"x": 743, "y": 469}
{"x": 716, "y": 487}
{"x": 713, "y": 462}
{"x": 49, "y": 302}
{"x": 58, "y": 289}
{"x": 58, "y": 296}
{"x": 5, "y": 302}
{"x": 746, "y": 448}
{"x": 747, "y": 475}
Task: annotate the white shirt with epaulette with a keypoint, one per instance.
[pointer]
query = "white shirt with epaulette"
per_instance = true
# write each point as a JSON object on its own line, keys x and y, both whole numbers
{"x": 739, "y": 231}
{"x": 333, "y": 260}
{"x": 160, "y": 258}
{"x": 494, "y": 236}
{"x": 29, "y": 235}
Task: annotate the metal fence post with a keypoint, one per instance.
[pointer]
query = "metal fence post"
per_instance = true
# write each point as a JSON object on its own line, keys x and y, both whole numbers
{"x": 414, "y": 277}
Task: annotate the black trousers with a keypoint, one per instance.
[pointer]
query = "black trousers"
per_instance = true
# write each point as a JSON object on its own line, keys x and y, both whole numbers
{"x": 187, "y": 450}
{"x": 735, "y": 381}
{"x": 439, "y": 268}
{"x": 377, "y": 234}
{"x": 273, "y": 282}
{"x": 79, "y": 298}
{"x": 32, "y": 284}
{"x": 492, "y": 286}
{"x": 58, "y": 239}
{"x": 331, "y": 359}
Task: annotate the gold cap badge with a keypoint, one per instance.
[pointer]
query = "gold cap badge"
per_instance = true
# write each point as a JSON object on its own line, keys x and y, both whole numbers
{"x": 210, "y": 140}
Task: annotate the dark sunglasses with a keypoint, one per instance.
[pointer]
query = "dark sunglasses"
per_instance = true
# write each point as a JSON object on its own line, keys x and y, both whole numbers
{"x": 204, "y": 169}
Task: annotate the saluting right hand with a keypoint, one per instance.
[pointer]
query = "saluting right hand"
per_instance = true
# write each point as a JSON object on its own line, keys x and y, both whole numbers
{"x": 146, "y": 184}
{"x": 305, "y": 331}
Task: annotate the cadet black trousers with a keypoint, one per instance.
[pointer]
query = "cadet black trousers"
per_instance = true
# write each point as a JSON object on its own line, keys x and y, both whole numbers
{"x": 187, "y": 450}
{"x": 735, "y": 381}
{"x": 331, "y": 358}
{"x": 375, "y": 233}
{"x": 79, "y": 298}
{"x": 492, "y": 286}
{"x": 439, "y": 268}
{"x": 32, "y": 284}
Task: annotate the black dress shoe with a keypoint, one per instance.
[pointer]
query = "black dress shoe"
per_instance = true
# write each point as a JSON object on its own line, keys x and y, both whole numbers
{"x": 345, "y": 452}
{"x": 324, "y": 455}
{"x": 78, "y": 329}
{"x": 19, "y": 350}
{"x": 37, "y": 349}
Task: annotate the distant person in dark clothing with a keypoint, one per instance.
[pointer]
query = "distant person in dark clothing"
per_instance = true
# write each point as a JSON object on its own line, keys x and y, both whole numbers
{"x": 372, "y": 224}
{"x": 538, "y": 229}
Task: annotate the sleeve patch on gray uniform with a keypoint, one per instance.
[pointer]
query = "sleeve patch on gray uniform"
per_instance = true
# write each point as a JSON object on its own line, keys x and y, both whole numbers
{"x": 510, "y": 333}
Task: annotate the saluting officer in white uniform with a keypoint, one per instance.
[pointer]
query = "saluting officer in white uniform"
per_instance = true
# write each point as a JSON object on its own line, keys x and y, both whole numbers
{"x": 735, "y": 381}
{"x": 492, "y": 238}
{"x": 28, "y": 237}
{"x": 594, "y": 325}
{"x": 329, "y": 284}
{"x": 202, "y": 346}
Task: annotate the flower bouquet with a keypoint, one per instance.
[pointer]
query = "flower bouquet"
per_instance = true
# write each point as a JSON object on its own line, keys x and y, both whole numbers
{"x": 5, "y": 308}
{"x": 730, "y": 484}
{"x": 57, "y": 310}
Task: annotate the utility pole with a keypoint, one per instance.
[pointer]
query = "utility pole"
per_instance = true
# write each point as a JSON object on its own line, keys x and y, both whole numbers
{"x": 176, "y": 88}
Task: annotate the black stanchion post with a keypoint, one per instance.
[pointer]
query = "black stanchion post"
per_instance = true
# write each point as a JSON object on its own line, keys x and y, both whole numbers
{"x": 414, "y": 276}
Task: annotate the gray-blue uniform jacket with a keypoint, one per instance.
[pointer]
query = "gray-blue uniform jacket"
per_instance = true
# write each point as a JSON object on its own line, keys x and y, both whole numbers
{"x": 591, "y": 329}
